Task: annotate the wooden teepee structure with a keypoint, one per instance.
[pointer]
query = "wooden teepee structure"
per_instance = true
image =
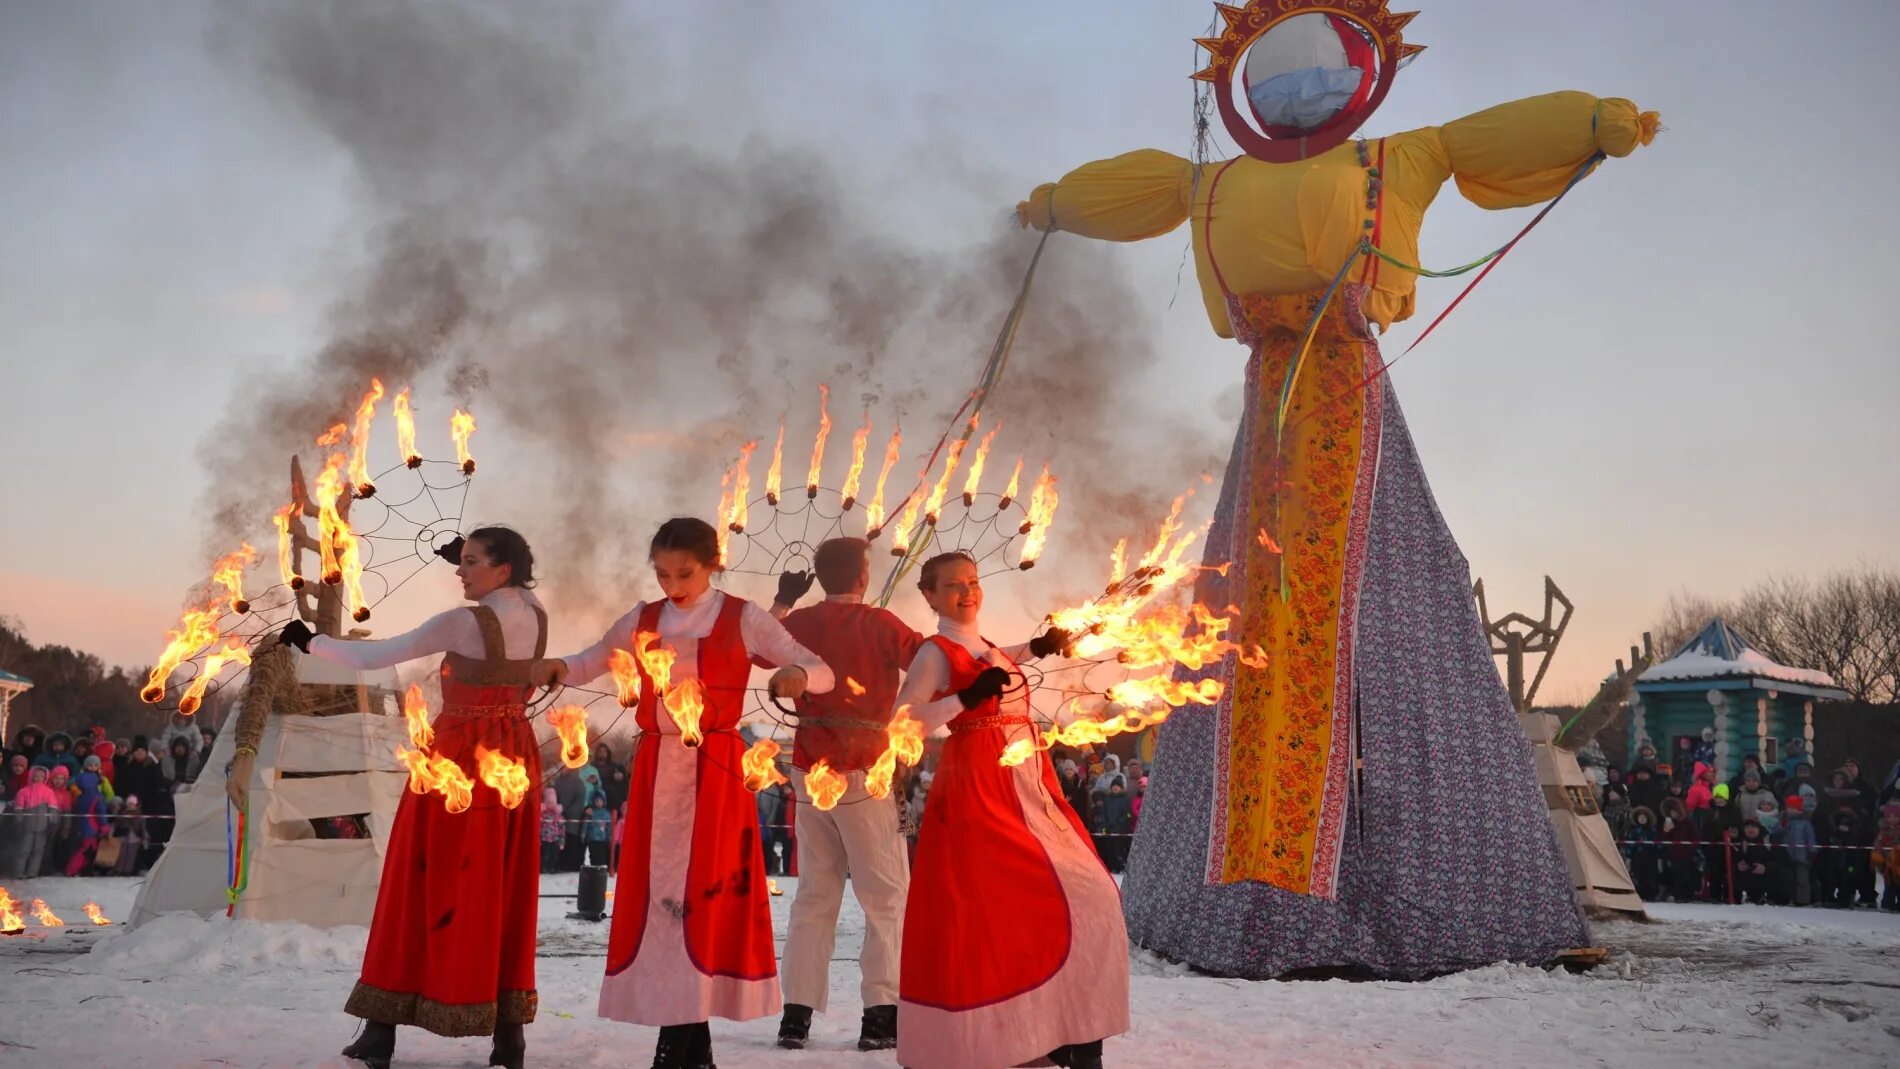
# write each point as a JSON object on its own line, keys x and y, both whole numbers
{"x": 1601, "y": 879}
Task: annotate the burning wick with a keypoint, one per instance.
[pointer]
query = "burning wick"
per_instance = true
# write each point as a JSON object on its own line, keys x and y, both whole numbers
{"x": 361, "y": 614}
{"x": 296, "y": 582}
{"x": 413, "y": 461}
{"x": 240, "y": 606}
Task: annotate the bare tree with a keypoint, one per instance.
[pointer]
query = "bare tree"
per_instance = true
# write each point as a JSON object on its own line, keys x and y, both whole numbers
{"x": 1846, "y": 624}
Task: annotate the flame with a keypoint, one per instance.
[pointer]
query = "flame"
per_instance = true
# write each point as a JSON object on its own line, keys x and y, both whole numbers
{"x": 1015, "y": 482}
{"x": 774, "y": 481}
{"x": 281, "y": 519}
{"x": 760, "y": 765}
{"x": 359, "y": 440}
{"x": 771, "y": 886}
{"x": 735, "y": 514}
{"x": 1266, "y": 540}
{"x": 461, "y": 425}
{"x": 856, "y": 688}
{"x": 439, "y": 774}
{"x": 852, "y": 477}
{"x": 656, "y": 659}
{"x": 232, "y": 653}
{"x": 97, "y": 915}
{"x": 197, "y": 630}
{"x": 1042, "y": 511}
{"x": 10, "y": 918}
{"x": 976, "y": 465}
{"x": 687, "y": 704}
{"x": 416, "y": 711}
{"x": 1149, "y": 634}
{"x": 720, "y": 529}
{"x": 906, "y": 745}
{"x": 341, "y": 560}
{"x": 825, "y": 786}
{"x": 228, "y": 573}
{"x": 874, "y": 514}
{"x": 44, "y": 915}
{"x": 508, "y": 776}
{"x": 935, "y": 508}
{"x": 406, "y": 430}
{"x": 626, "y": 673}
{"x": 570, "y": 723}
{"x": 818, "y": 444}
{"x": 1017, "y": 752}
{"x": 334, "y": 435}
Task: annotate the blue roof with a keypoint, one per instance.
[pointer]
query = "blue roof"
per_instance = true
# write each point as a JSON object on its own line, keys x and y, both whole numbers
{"x": 10, "y": 677}
{"x": 1718, "y": 639}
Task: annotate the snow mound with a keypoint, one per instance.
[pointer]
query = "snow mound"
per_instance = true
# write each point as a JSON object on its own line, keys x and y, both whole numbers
{"x": 178, "y": 943}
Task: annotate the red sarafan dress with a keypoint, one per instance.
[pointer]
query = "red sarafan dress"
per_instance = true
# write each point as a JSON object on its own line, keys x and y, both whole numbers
{"x": 1013, "y": 936}
{"x": 692, "y": 925}
{"x": 451, "y": 949}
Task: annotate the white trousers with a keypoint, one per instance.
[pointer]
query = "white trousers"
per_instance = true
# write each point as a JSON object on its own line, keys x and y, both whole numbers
{"x": 858, "y": 836}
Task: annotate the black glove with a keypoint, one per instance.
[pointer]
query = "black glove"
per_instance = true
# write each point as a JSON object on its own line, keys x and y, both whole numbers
{"x": 453, "y": 551}
{"x": 1054, "y": 640}
{"x": 988, "y": 684}
{"x": 792, "y": 586}
{"x": 297, "y": 633}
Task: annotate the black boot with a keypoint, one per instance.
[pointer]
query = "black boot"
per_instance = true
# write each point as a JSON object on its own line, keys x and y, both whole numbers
{"x": 511, "y": 1046}
{"x": 794, "y": 1028}
{"x": 684, "y": 1046}
{"x": 1078, "y": 1055}
{"x": 375, "y": 1046}
{"x": 879, "y": 1030}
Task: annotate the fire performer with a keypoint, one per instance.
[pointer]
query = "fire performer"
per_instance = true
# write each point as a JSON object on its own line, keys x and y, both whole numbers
{"x": 1014, "y": 947}
{"x": 451, "y": 948}
{"x": 692, "y": 928}
{"x": 847, "y": 729}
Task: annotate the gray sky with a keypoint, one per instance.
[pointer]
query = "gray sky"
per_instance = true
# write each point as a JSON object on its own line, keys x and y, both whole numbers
{"x": 1674, "y": 383}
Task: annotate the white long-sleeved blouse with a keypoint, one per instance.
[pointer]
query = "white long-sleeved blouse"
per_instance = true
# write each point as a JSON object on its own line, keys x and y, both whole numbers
{"x": 454, "y": 631}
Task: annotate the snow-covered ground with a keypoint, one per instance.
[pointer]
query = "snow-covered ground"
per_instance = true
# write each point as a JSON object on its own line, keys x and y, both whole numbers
{"x": 1735, "y": 987}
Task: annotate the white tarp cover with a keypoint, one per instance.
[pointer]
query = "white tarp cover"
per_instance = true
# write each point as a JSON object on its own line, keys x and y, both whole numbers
{"x": 293, "y": 875}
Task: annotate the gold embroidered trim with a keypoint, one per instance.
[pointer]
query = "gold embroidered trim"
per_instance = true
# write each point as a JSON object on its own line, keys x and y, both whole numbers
{"x": 1000, "y": 720}
{"x": 475, "y": 1019}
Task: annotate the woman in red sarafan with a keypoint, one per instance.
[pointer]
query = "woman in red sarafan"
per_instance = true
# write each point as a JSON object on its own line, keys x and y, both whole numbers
{"x": 451, "y": 948}
{"x": 1014, "y": 948}
{"x": 692, "y": 929}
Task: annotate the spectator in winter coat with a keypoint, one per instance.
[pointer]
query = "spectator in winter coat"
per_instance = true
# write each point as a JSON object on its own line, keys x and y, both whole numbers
{"x": 1885, "y": 857}
{"x": 553, "y": 831}
{"x": 1115, "y": 818}
{"x": 1748, "y": 800}
{"x": 1750, "y": 763}
{"x": 37, "y": 812}
{"x": 572, "y": 789}
{"x": 1685, "y": 871}
{"x": 1616, "y": 811}
{"x": 1864, "y": 793}
{"x": 1614, "y": 783}
{"x": 1645, "y": 758}
{"x": 129, "y": 828}
{"x": 180, "y": 765}
{"x": 1701, "y": 790}
{"x": 1794, "y": 753}
{"x": 1721, "y": 833}
{"x": 1646, "y": 790}
{"x": 29, "y": 740}
{"x": 1703, "y": 754}
{"x": 96, "y": 765}
{"x": 1768, "y": 813}
{"x": 181, "y": 727}
{"x": 1801, "y": 782}
{"x": 1845, "y": 861}
{"x": 1757, "y": 870}
{"x": 771, "y": 818}
{"x": 597, "y": 829}
{"x": 139, "y": 773}
{"x": 107, "y": 752}
{"x": 90, "y": 822}
{"x": 1801, "y": 846}
{"x": 58, "y": 754}
{"x": 17, "y": 767}
{"x": 1643, "y": 854}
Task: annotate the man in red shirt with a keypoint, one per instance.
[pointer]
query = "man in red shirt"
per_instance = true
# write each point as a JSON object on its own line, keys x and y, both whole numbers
{"x": 868, "y": 647}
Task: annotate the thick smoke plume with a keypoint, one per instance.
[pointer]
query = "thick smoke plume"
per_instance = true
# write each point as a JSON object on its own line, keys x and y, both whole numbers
{"x": 564, "y": 242}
